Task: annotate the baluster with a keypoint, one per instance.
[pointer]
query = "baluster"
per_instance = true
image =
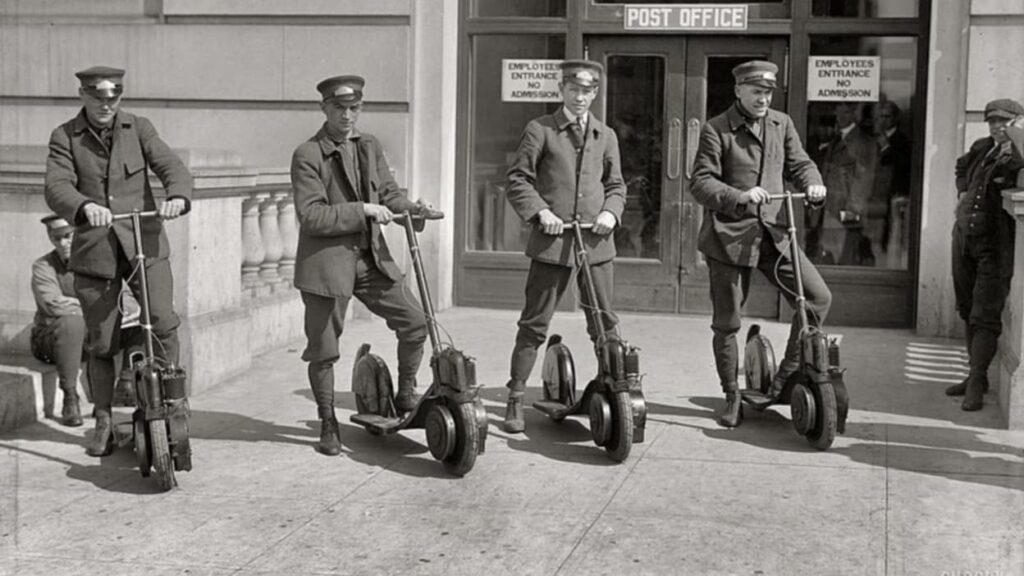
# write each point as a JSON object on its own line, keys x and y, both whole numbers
{"x": 252, "y": 243}
{"x": 271, "y": 239}
{"x": 289, "y": 233}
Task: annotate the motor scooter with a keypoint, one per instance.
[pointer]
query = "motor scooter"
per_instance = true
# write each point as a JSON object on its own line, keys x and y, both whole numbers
{"x": 450, "y": 411}
{"x": 159, "y": 425}
{"x": 816, "y": 392}
{"x": 614, "y": 399}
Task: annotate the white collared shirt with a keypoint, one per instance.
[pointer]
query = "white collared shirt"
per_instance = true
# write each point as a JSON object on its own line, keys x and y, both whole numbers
{"x": 572, "y": 117}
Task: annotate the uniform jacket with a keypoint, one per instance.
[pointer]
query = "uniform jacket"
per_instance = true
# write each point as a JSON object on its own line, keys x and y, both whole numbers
{"x": 544, "y": 175}
{"x": 332, "y": 226}
{"x": 727, "y": 165}
{"x": 848, "y": 171}
{"x": 983, "y": 183}
{"x": 80, "y": 170}
{"x": 53, "y": 287}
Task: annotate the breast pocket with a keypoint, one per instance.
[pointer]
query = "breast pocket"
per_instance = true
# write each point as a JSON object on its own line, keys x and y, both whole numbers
{"x": 133, "y": 161}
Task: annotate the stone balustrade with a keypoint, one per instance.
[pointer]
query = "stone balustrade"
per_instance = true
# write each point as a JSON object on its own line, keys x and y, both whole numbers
{"x": 233, "y": 257}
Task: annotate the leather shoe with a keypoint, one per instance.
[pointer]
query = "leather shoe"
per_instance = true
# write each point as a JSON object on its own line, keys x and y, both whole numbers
{"x": 732, "y": 414}
{"x": 961, "y": 388}
{"x": 974, "y": 395}
{"x": 71, "y": 415}
{"x": 102, "y": 441}
{"x": 406, "y": 400}
{"x": 330, "y": 437}
{"x": 515, "y": 421}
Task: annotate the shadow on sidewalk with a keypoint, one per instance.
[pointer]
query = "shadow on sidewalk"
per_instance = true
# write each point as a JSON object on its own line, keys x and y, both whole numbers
{"x": 948, "y": 452}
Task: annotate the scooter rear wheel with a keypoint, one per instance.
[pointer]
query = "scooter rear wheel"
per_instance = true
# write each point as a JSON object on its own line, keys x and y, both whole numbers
{"x": 467, "y": 440}
{"x": 620, "y": 442}
{"x": 161, "y": 455}
{"x": 823, "y": 433}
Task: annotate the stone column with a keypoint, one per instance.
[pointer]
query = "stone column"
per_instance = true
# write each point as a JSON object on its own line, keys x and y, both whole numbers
{"x": 1011, "y": 342}
{"x": 271, "y": 238}
{"x": 289, "y": 233}
{"x": 252, "y": 243}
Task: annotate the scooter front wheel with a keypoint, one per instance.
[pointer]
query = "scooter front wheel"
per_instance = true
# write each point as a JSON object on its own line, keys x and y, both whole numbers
{"x": 467, "y": 440}
{"x": 620, "y": 442}
{"x": 161, "y": 455}
{"x": 141, "y": 443}
{"x": 823, "y": 433}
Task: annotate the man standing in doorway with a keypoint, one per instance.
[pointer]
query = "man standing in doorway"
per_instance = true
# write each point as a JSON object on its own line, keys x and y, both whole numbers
{"x": 98, "y": 166}
{"x": 566, "y": 168}
{"x": 743, "y": 156}
{"x": 343, "y": 193}
{"x": 983, "y": 239}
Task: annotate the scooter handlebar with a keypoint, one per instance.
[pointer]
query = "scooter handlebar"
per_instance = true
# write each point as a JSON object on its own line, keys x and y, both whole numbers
{"x": 795, "y": 196}
{"x": 566, "y": 226}
{"x": 142, "y": 214}
{"x": 428, "y": 214}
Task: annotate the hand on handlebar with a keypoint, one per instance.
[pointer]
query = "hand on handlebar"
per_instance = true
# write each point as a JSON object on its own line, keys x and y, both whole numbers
{"x": 378, "y": 213}
{"x": 816, "y": 193}
{"x": 98, "y": 215}
{"x": 549, "y": 223}
{"x": 755, "y": 195}
{"x": 604, "y": 224}
{"x": 171, "y": 209}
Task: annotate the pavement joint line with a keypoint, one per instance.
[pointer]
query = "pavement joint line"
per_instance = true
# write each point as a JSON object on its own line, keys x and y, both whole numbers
{"x": 34, "y": 556}
{"x": 608, "y": 502}
{"x": 885, "y": 434}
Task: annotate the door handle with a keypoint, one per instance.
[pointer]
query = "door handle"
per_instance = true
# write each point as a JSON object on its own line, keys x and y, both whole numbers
{"x": 675, "y": 145}
{"x": 692, "y": 141}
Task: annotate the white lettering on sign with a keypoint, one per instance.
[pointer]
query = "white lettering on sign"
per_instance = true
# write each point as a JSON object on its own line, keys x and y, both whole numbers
{"x": 843, "y": 78}
{"x": 688, "y": 17}
{"x": 530, "y": 80}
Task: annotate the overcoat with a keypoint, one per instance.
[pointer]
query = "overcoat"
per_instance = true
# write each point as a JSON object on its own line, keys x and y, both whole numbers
{"x": 730, "y": 161}
{"x": 333, "y": 230}
{"x": 546, "y": 174}
{"x": 80, "y": 170}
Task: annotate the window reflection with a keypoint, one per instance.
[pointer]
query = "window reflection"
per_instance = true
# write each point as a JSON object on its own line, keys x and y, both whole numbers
{"x": 520, "y": 8}
{"x": 864, "y": 152}
{"x": 865, "y": 8}
{"x": 635, "y": 88}
{"x": 496, "y": 126}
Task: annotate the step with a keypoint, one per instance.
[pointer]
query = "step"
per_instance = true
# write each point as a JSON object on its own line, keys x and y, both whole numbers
{"x": 28, "y": 391}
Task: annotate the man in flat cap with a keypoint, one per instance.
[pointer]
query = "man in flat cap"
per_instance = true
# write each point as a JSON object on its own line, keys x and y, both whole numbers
{"x": 58, "y": 330}
{"x": 98, "y": 166}
{"x": 566, "y": 168}
{"x": 745, "y": 155}
{"x": 344, "y": 192}
{"x": 983, "y": 238}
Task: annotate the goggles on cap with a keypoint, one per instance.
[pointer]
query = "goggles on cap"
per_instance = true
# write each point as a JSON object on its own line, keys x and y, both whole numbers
{"x": 104, "y": 89}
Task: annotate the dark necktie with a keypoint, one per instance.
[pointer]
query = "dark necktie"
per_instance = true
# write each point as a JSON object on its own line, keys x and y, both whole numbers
{"x": 577, "y": 130}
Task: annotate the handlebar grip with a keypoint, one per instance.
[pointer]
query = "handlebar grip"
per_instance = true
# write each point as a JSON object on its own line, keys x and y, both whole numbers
{"x": 142, "y": 214}
{"x": 429, "y": 214}
{"x": 583, "y": 225}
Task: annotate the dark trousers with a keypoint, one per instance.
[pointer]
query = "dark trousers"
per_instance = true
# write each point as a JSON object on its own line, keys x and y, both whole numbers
{"x": 729, "y": 288}
{"x": 981, "y": 285}
{"x": 325, "y": 322}
{"x": 61, "y": 342}
{"x": 100, "y": 300}
{"x": 545, "y": 285}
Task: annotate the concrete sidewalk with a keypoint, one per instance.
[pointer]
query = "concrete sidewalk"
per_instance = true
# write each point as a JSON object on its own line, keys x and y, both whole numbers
{"x": 916, "y": 486}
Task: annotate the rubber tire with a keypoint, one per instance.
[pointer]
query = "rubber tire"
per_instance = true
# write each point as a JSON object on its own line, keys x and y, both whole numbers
{"x": 163, "y": 467}
{"x": 824, "y": 431}
{"x": 467, "y": 440}
{"x": 141, "y": 441}
{"x": 621, "y": 441}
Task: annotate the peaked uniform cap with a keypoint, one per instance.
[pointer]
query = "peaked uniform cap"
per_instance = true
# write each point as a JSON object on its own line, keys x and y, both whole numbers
{"x": 348, "y": 88}
{"x": 103, "y": 81}
{"x": 56, "y": 225}
{"x": 758, "y": 72}
{"x": 586, "y": 73}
